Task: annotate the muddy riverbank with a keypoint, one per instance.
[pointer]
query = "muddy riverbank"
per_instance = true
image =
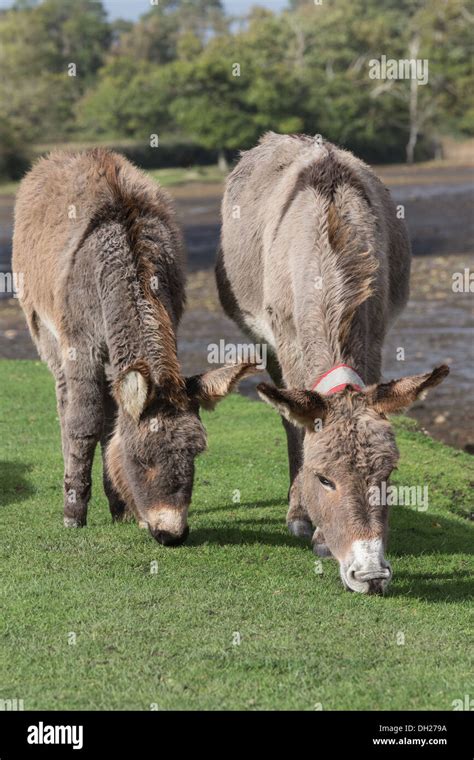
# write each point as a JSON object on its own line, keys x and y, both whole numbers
{"x": 436, "y": 326}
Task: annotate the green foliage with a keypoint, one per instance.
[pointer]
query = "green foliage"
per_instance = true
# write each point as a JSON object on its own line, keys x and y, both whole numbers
{"x": 77, "y": 31}
{"x": 184, "y": 68}
{"x": 210, "y": 100}
{"x": 240, "y": 86}
{"x": 14, "y": 156}
{"x": 164, "y": 633}
{"x": 157, "y": 36}
{"x": 131, "y": 99}
{"x": 372, "y": 117}
{"x": 37, "y": 45}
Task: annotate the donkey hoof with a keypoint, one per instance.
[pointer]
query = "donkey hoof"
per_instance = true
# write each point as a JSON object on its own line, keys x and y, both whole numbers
{"x": 300, "y": 528}
{"x": 73, "y": 522}
{"x": 322, "y": 550}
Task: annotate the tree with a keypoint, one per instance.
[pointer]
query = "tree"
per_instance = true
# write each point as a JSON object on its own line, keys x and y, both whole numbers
{"x": 156, "y": 36}
{"x": 329, "y": 50}
{"x": 185, "y": 67}
{"x": 14, "y": 153}
{"x": 210, "y": 98}
{"x": 131, "y": 99}
{"x": 383, "y": 118}
{"x": 78, "y": 32}
{"x": 440, "y": 34}
{"x": 240, "y": 86}
{"x": 38, "y": 44}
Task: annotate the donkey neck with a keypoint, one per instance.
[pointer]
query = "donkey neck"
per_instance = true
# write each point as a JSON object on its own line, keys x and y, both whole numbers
{"x": 362, "y": 351}
{"x": 140, "y": 310}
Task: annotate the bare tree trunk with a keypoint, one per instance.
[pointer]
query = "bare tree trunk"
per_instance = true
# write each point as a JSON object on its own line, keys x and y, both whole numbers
{"x": 300, "y": 40}
{"x": 222, "y": 162}
{"x": 413, "y": 50}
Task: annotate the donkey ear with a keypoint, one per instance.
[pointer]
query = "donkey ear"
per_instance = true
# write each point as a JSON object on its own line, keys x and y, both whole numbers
{"x": 132, "y": 389}
{"x": 298, "y": 406}
{"x": 211, "y": 387}
{"x": 397, "y": 395}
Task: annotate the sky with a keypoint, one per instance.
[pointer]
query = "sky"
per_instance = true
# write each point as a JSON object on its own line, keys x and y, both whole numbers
{"x": 132, "y": 9}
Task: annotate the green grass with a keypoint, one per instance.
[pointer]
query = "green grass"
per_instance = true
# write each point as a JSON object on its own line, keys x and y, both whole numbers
{"x": 166, "y": 177}
{"x": 9, "y": 188}
{"x": 166, "y": 639}
{"x": 181, "y": 176}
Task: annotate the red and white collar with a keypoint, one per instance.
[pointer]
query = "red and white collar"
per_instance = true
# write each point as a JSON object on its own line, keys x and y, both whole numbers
{"x": 336, "y": 379}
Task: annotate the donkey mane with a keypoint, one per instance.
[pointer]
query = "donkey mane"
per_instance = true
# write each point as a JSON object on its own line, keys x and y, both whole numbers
{"x": 350, "y": 272}
{"x": 348, "y": 262}
{"x": 139, "y": 208}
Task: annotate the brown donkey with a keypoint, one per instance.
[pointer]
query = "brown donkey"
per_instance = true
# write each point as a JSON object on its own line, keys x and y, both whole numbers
{"x": 101, "y": 259}
{"x": 315, "y": 263}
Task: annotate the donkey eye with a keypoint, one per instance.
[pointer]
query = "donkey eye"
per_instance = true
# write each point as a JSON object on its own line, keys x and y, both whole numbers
{"x": 325, "y": 482}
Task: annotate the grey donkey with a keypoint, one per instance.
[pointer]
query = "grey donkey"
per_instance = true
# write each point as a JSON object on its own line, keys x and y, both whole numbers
{"x": 101, "y": 260}
{"x": 315, "y": 262}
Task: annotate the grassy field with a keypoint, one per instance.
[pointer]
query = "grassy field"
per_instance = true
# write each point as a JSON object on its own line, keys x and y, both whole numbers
{"x": 174, "y": 176}
{"x": 166, "y": 177}
{"x": 180, "y": 176}
{"x": 85, "y": 622}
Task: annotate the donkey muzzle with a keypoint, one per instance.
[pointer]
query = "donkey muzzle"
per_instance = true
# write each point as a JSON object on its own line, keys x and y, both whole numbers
{"x": 169, "y": 539}
{"x": 373, "y": 581}
{"x": 367, "y": 571}
{"x": 168, "y": 524}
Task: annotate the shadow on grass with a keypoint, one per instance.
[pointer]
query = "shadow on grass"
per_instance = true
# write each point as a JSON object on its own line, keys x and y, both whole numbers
{"x": 233, "y": 536}
{"x": 263, "y": 504}
{"x": 416, "y": 533}
{"x": 13, "y": 484}
{"x": 434, "y": 537}
{"x": 431, "y": 588}
{"x": 412, "y": 534}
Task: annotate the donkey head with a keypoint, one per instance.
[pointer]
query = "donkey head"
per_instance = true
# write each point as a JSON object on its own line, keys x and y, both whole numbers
{"x": 158, "y": 435}
{"x": 349, "y": 450}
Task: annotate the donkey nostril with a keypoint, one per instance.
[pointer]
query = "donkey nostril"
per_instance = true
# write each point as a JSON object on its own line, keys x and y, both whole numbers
{"x": 351, "y": 575}
{"x": 377, "y": 586}
{"x": 170, "y": 539}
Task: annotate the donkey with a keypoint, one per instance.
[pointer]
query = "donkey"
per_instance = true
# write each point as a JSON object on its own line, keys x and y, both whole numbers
{"x": 314, "y": 262}
{"x": 103, "y": 271}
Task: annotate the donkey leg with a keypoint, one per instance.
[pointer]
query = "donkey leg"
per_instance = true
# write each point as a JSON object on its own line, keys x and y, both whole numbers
{"x": 297, "y": 518}
{"x": 318, "y": 542}
{"x": 117, "y": 507}
{"x": 48, "y": 348}
{"x": 49, "y": 351}
{"x": 83, "y": 428}
{"x": 61, "y": 398}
